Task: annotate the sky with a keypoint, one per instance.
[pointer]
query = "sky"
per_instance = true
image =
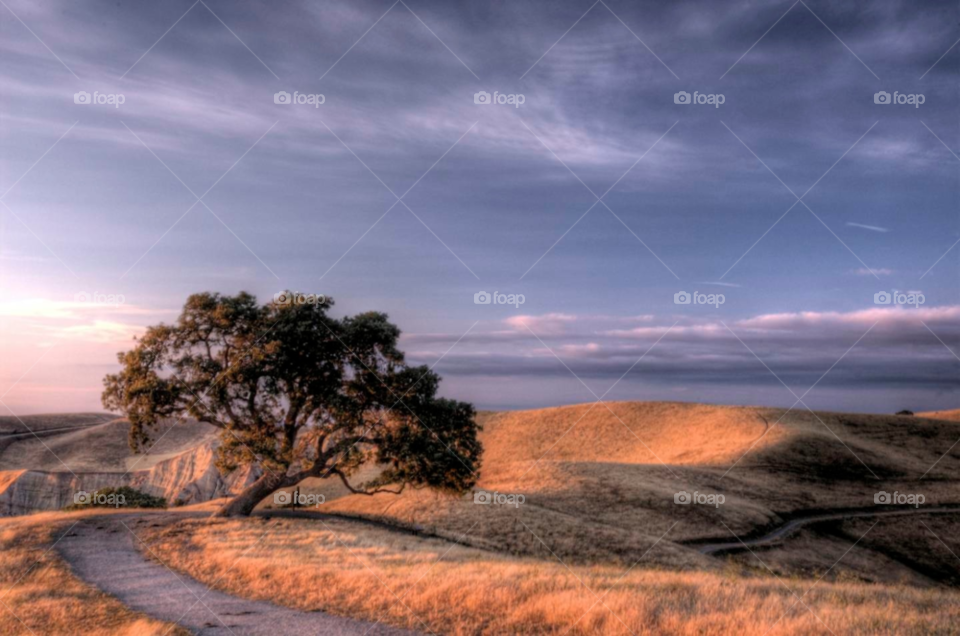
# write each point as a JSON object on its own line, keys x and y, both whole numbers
{"x": 395, "y": 180}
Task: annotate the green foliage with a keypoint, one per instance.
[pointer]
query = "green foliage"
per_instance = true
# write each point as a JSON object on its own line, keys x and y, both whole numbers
{"x": 298, "y": 393}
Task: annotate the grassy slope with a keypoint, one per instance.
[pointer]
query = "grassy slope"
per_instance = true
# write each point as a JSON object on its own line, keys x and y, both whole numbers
{"x": 102, "y": 447}
{"x": 598, "y": 500}
{"x": 39, "y": 594}
{"x": 953, "y": 415}
{"x": 432, "y": 586}
{"x": 596, "y": 490}
{"x": 27, "y": 423}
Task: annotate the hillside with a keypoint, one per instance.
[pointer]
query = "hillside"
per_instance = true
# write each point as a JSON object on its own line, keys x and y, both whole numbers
{"x": 26, "y": 423}
{"x": 951, "y": 415}
{"x": 596, "y": 489}
{"x": 598, "y": 484}
{"x": 43, "y": 469}
{"x": 102, "y": 447}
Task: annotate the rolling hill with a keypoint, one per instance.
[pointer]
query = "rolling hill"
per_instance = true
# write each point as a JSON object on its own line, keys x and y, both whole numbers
{"x": 599, "y": 484}
{"x": 598, "y": 480}
{"x": 45, "y": 460}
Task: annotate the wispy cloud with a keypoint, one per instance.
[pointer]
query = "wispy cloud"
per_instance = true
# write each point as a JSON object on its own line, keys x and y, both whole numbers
{"x": 872, "y": 228}
{"x": 898, "y": 351}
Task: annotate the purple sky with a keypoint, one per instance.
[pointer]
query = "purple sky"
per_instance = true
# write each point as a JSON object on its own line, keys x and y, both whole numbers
{"x": 798, "y": 198}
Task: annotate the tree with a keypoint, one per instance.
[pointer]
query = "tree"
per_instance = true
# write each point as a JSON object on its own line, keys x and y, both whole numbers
{"x": 299, "y": 394}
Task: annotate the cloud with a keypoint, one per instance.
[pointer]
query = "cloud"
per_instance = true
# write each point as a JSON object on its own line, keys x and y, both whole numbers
{"x": 547, "y": 324}
{"x": 894, "y": 347}
{"x": 872, "y": 228}
{"x": 84, "y": 304}
{"x": 89, "y": 318}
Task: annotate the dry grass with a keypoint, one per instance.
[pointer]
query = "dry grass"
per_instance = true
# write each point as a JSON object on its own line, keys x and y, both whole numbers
{"x": 598, "y": 498}
{"x": 102, "y": 447}
{"x": 430, "y": 585}
{"x": 951, "y": 415}
{"x": 40, "y": 595}
{"x": 41, "y": 422}
{"x": 596, "y": 491}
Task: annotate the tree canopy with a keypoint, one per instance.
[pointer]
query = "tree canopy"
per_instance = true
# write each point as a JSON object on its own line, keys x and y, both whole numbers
{"x": 297, "y": 393}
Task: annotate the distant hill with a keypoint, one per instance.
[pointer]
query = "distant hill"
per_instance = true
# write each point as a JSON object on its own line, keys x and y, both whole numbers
{"x": 48, "y": 458}
{"x": 600, "y": 484}
{"x": 99, "y": 446}
{"x": 952, "y": 416}
{"x": 26, "y": 423}
{"x": 599, "y": 481}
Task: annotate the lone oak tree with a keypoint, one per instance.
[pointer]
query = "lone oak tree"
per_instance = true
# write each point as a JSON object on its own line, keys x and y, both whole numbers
{"x": 297, "y": 393}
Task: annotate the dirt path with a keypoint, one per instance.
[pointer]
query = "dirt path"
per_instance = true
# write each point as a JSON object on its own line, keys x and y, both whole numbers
{"x": 102, "y": 552}
{"x": 795, "y": 524}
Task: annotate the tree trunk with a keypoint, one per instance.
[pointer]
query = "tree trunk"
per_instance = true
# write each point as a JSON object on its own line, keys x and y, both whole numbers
{"x": 244, "y": 503}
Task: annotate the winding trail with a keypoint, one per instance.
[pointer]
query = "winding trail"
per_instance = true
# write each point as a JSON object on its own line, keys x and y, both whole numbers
{"x": 102, "y": 552}
{"x": 793, "y": 525}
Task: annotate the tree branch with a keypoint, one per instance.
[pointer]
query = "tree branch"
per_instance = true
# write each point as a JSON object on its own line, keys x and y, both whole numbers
{"x": 358, "y": 491}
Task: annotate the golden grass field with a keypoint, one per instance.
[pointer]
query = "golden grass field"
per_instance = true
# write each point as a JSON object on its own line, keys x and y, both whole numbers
{"x": 952, "y": 415}
{"x": 596, "y": 491}
{"x": 430, "y": 585}
{"x": 598, "y": 503}
{"x": 39, "y": 594}
{"x": 598, "y": 546}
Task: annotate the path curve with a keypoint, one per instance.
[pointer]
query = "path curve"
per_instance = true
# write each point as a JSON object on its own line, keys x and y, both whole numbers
{"x": 793, "y": 525}
{"x": 102, "y": 552}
